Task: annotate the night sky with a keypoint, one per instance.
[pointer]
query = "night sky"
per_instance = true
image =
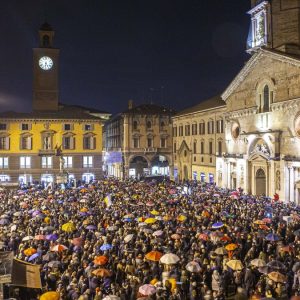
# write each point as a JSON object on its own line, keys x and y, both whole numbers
{"x": 171, "y": 52}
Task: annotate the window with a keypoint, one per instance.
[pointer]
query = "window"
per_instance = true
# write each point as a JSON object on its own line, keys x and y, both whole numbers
{"x": 181, "y": 130}
{"x": 201, "y": 128}
{"x": 220, "y": 147}
{"x": 266, "y": 98}
{"x": 46, "y": 41}
{"x": 4, "y": 178}
{"x": 88, "y": 177}
{"x": 194, "y": 129}
{"x": 187, "y": 130}
{"x": 67, "y": 127}
{"x": 88, "y": 161}
{"x": 68, "y": 161}
{"x": 26, "y": 142}
{"x": 210, "y": 127}
{"x": 195, "y": 147}
{"x": 202, "y": 147}
{"x": 67, "y": 142}
{"x": 149, "y": 124}
{"x": 136, "y": 142}
{"x": 149, "y": 142}
{"x": 25, "y": 126}
{"x": 47, "y": 142}
{"x": 175, "y": 131}
{"x": 47, "y": 161}
{"x": 220, "y": 125}
{"x": 3, "y": 126}
{"x": 89, "y": 142}
{"x": 162, "y": 125}
{"x": 88, "y": 127}
{"x": 25, "y": 162}
{"x": 175, "y": 148}
{"x": 135, "y": 125}
{"x": 163, "y": 142}
{"x": 210, "y": 147}
{"x": 3, "y": 162}
{"x": 4, "y": 143}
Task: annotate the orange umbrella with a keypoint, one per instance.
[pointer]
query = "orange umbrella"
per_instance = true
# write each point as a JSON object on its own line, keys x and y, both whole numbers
{"x": 203, "y": 236}
{"x": 264, "y": 227}
{"x": 225, "y": 238}
{"x": 29, "y": 251}
{"x": 206, "y": 214}
{"x": 102, "y": 272}
{"x": 288, "y": 248}
{"x": 277, "y": 277}
{"x": 259, "y": 222}
{"x": 231, "y": 247}
{"x": 175, "y": 236}
{"x": 154, "y": 255}
{"x": 100, "y": 260}
{"x": 59, "y": 248}
{"x": 50, "y": 296}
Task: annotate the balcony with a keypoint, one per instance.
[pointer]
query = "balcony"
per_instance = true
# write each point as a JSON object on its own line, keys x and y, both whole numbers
{"x": 47, "y": 152}
{"x": 150, "y": 150}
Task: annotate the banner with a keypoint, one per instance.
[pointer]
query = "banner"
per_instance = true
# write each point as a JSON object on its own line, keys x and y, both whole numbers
{"x": 26, "y": 275}
{"x": 6, "y": 261}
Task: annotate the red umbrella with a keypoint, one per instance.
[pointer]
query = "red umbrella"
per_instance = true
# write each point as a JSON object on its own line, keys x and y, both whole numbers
{"x": 77, "y": 241}
{"x": 203, "y": 236}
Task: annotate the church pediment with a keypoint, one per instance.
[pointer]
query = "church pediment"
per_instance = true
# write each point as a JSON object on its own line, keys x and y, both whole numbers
{"x": 255, "y": 62}
{"x": 183, "y": 147}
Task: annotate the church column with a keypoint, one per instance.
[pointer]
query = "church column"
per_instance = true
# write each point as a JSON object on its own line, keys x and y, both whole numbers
{"x": 228, "y": 174}
{"x": 292, "y": 183}
{"x": 272, "y": 179}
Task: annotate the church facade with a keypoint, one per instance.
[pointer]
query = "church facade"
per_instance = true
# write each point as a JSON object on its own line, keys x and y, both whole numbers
{"x": 262, "y": 119}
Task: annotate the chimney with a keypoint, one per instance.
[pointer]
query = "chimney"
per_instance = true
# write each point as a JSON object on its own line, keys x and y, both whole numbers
{"x": 130, "y": 104}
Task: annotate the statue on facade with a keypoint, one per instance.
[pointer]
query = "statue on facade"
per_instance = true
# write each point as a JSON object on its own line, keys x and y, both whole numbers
{"x": 278, "y": 180}
{"x": 61, "y": 164}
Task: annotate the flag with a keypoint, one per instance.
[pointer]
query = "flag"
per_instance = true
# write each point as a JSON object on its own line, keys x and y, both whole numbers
{"x": 26, "y": 275}
{"x": 107, "y": 200}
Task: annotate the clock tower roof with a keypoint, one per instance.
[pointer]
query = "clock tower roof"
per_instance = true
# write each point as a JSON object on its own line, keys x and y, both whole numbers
{"x": 46, "y": 27}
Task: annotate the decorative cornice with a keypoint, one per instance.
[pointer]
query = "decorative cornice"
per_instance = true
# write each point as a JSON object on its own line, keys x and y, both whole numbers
{"x": 293, "y": 104}
{"x": 241, "y": 112}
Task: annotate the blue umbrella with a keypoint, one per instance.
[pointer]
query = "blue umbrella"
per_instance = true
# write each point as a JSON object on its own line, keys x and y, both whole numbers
{"x": 272, "y": 237}
{"x": 51, "y": 237}
{"x": 217, "y": 225}
{"x": 91, "y": 227}
{"x": 127, "y": 220}
{"x": 33, "y": 256}
{"x": 105, "y": 247}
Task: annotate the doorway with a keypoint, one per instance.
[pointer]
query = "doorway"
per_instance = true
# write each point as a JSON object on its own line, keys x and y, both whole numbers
{"x": 185, "y": 173}
{"x": 260, "y": 182}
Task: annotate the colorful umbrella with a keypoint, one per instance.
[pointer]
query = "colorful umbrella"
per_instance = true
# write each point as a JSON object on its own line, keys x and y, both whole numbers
{"x": 272, "y": 237}
{"x": 59, "y": 248}
{"x": 77, "y": 241}
{"x": 91, "y": 227}
{"x": 33, "y": 256}
{"x": 27, "y": 238}
{"x": 105, "y": 247}
{"x": 175, "y": 236}
{"x": 147, "y": 290}
{"x": 203, "y": 236}
{"x": 68, "y": 227}
{"x": 181, "y": 218}
{"x": 150, "y": 221}
{"x": 277, "y": 277}
{"x": 154, "y": 255}
{"x": 50, "y": 296}
{"x": 154, "y": 212}
{"x": 51, "y": 237}
{"x": 100, "y": 260}
{"x": 235, "y": 264}
{"x": 169, "y": 259}
{"x": 158, "y": 233}
{"x": 102, "y": 272}
{"x": 231, "y": 247}
{"x": 259, "y": 222}
{"x": 193, "y": 267}
{"x": 217, "y": 225}
{"x": 29, "y": 251}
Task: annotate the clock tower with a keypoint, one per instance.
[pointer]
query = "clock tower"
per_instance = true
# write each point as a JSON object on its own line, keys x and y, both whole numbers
{"x": 45, "y": 72}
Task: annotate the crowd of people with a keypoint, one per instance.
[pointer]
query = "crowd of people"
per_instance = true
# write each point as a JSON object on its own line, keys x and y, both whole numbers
{"x": 133, "y": 240}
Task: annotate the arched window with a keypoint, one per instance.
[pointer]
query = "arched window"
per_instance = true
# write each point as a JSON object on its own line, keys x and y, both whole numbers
{"x": 149, "y": 125}
{"x": 135, "y": 125}
{"x": 46, "y": 41}
{"x": 266, "y": 98}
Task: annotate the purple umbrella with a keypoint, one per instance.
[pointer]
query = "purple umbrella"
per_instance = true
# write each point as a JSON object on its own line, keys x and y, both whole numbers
{"x": 51, "y": 237}
{"x": 4, "y": 221}
{"x": 91, "y": 227}
{"x": 35, "y": 213}
{"x": 33, "y": 256}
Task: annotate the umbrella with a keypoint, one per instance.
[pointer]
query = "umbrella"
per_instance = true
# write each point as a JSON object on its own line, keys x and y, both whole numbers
{"x": 40, "y": 237}
{"x": 27, "y": 238}
{"x": 217, "y": 225}
{"x": 235, "y": 264}
{"x": 29, "y": 251}
{"x": 221, "y": 251}
{"x": 259, "y": 222}
{"x": 105, "y": 247}
{"x": 91, "y": 227}
{"x": 17, "y": 214}
{"x": 36, "y": 213}
{"x": 257, "y": 262}
{"x": 264, "y": 227}
{"x": 100, "y": 260}
{"x": 175, "y": 236}
{"x": 272, "y": 237}
{"x": 167, "y": 218}
{"x": 267, "y": 220}
{"x": 150, "y": 221}
{"x": 158, "y": 233}
{"x": 169, "y": 259}
{"x": 51, "y": 237}
{"x": 127, "y": 219}
{"x": 277, "y": 277}
{"x": 296, "y": 233}
{"x": 4, "y": 221}
{"x": 112, "y": 228}
{"x": 231, "y": 247}
{"x": 128, "y": 238}
{"x": 154, "y": 212}
{"x": 288, "y": 248}
{"x": 68, "y": 227}
{"x": 225, "y": 238}
{"x": 147, "y": 290}
{"x": 54, "y": 264}
{"x": 50, "y": 296}
{"x": 48, "y": 228}
{"x": 33, "y": 256}
{"x": 193, "y": 267}
{"x": 112, "y": 297}
{"x": 277, "y": 265}
{"x": 154, "y": 255}
{"x": 181, "y": 218}
{"x": 150, "y": 204}
{"x": 49, "y": 256}
{"x": 203, "y": 236}
{"x": 102, "y": 272}
{"x": 141, "y": 219}
{"x": 59, "y": 248}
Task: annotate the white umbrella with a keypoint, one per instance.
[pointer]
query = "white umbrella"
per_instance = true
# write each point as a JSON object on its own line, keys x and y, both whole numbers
{"x": 27, "y": 238}
{"x": 17, "y": 214}
{"x": 128, "y": 238}
{"x": 83, "y": 201}
{"x": 193, "y": 267}
{"x": 257, "y": 262}
{"x": 158, "y": 233}
{"x": 112, "y": 297}
{"x": 169, "y": 259}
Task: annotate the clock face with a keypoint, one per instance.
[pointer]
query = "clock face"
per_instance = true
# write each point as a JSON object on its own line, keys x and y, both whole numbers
{"x": 45, "y": 63}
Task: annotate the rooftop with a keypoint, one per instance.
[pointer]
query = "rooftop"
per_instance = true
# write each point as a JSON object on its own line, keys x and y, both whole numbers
{"x": 150, "y": 109}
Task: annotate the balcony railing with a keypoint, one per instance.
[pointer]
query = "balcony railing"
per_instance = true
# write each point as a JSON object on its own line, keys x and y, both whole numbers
{"x": 48, "y": 152}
